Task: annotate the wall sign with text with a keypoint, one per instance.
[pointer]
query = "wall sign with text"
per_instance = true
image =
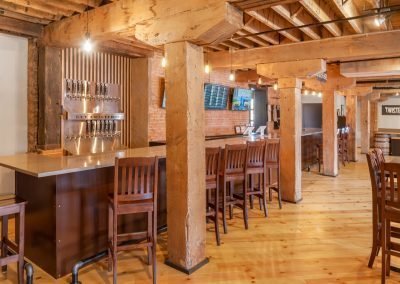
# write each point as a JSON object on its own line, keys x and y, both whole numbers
{"x": 391, "y": 110}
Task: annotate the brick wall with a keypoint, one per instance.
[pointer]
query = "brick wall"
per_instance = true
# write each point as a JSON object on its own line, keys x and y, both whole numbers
{"x": 217, "y": 121}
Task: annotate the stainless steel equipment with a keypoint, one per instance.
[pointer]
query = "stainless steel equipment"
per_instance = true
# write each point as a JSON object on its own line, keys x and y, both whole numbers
{"x": 92, "y": 117}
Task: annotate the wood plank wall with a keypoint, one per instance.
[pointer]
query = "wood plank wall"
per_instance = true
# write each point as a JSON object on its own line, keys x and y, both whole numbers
{"x": 102, "y": 67}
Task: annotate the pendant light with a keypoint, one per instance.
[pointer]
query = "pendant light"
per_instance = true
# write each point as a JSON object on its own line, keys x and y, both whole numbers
{"x": 87, "y": 45}
{"x": 275, "y": 86}
{"x": 232, "y": 73}
{"x": 164, "y": 62}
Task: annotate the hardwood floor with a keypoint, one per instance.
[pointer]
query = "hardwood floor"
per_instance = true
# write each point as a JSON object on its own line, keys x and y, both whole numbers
{"x": 324, "y": 239}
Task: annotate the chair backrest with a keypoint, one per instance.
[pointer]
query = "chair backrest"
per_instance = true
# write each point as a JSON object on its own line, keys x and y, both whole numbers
{"x": 374, "y": 174}
{"x": 256, "y": 154}
{"x": 135, "y": 179}
{"x": 390, "y": 177}
{"x": 213, "y": 158}
{"x": 235, "y": 159}
{"x": 272, "y": 153}
{"x": 379, "y": 156}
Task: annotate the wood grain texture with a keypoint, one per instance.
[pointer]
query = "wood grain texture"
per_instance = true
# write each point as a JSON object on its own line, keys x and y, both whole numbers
{"x": 351, "y": 120}
{"x": 33, "y": 94}
{"x": 290, "y": 148}
{"x": 365, "y": 123}
{"x": 185, "y": 154}
{"x": 373, "y": 121}
{"x": 329, "y": 136}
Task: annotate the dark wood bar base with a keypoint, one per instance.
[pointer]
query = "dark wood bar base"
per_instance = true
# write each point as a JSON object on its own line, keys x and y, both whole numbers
{"x": 66, "y": 216}
{"x": 187, "y": 271}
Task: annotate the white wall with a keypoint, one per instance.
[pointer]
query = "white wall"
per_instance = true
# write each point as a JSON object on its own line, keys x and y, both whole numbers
{"x": 389, "y": 121}
{"x": 13, "y": 103}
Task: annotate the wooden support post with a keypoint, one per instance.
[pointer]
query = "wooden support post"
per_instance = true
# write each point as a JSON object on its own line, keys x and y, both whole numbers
{"x": 33, "y": 96}
{"x": 351, "y": 119}
{"x": 365, "y": 123}
{"x": 373, "y": 121}
{"x": 329, "y": 130}
{"x": 141, "y": 94}
{"x": 185, "y": 157}
{"x": 290, "y": 148}
{"x": 49, "y": 80}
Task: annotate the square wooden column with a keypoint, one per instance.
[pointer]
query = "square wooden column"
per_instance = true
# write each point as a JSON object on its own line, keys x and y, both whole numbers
{"x": 329, "y": 133}
{"x": 141, "y": 93}
{"x": 351, "y": 119}
{"x": 185, "y": 157}
{"x": 373, "y": 114}
{"x": 290, "y": 132}
{"x": 364, "y": 123}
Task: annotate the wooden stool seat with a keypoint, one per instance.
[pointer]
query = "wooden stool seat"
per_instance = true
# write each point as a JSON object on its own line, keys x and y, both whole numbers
{"x": 13, "y": 251}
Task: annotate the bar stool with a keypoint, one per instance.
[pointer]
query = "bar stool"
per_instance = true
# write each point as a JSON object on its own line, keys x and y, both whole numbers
{"x": 320, "y": 156}
{"x": 135, "y": 191}
{"x": 272, "y": 163}
{"x": 13, "y": 251}
{"x": 213, "y": 158}
{"x": 233, "y": 171}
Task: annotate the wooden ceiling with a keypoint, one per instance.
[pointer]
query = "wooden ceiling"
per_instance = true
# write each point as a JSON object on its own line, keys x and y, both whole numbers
{"x": 278, "y": 19}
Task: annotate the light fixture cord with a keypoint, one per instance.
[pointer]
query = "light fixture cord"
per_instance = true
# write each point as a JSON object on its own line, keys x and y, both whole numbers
{"x": 87, "y": 19}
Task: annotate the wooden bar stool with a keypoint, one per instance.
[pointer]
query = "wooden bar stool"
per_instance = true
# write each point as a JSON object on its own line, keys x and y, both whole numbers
{"x": 135, "y": 191}
{"x": 13, "y": 251}
{"x": 272, "y": 163}
{"x": 213, "y": 158}
{"x": 233, "y": 171}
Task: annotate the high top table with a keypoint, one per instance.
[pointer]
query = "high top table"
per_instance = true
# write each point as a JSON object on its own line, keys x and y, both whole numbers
{"x": 66, "y": 214}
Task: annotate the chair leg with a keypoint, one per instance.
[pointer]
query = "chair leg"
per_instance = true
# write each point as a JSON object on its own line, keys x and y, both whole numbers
{"x": 20, "y": 238}
{"x": 374, "y": 251}
{"x": 154, "y": 247}
{"x": 149, "y": 236}
{"x": 114, "y": 247}
{"x": 279, "y": 190}
{"x": 383, "y": 245}
{"x": 252, "y": 188}
{"x": 4, "y": 235}
{"x": 264, "y": 197}
{"x": 216, "y": 220}
{"x": 245, "y": 213}
{"x": 231, "y": 190}
{"x": 110, "y": 238}
{"x": 224, "y": 208}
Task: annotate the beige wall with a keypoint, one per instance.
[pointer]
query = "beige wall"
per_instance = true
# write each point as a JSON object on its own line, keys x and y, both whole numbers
{"x": 13, "y": 103}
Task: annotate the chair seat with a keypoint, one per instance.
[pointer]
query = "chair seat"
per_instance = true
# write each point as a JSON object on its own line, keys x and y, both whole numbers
{"x": 130, "y": 207}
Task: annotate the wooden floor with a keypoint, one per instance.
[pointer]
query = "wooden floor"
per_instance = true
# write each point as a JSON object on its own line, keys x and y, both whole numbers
{"x": 324, "y": 239}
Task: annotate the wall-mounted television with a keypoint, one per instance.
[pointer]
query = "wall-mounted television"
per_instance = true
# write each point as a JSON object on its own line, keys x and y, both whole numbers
{"x": 241, "y": 99}
{"x": 215, "y": 96}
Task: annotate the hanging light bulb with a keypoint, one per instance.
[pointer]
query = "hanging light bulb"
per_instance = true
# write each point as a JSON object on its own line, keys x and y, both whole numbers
{"x": 379, "y": 20}
{"x": 259, "y": 82}
{"x": 320, "y": 94}
{"x": 232, "y": 76}
{"x": 164, "y": 62}
{"x": 276, "y": 86}
{"x": 207, "y": 69}
{"x": 88, "y": 45}
{"x": 306, "y": 92}
{"x": 313, "y": 93}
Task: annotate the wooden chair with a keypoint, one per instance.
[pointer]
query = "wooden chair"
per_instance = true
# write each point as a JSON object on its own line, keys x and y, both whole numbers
{"x": 345, "y": 146}
{"x": 340, "y": 150}
{"x": 320, "y": 156}
{"x": 135, "y": 191}
{"x": 379, "y": 156}
{"x": 390, "y": 208}
{"x": 13, "y": 251}
{"x": 233, "y": 171}
{"x": 213, "y": 158}
{"x": 272, "y": 163}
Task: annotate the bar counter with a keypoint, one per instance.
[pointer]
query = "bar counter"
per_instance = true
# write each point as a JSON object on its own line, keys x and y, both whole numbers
{"x": 67, "y": 210}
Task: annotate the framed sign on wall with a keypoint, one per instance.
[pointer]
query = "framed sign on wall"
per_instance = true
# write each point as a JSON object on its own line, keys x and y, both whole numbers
{"x": 391, "y": 110}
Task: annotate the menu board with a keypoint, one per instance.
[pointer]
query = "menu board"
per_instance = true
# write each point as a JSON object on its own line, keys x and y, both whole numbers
{"x": 215, "y": 96}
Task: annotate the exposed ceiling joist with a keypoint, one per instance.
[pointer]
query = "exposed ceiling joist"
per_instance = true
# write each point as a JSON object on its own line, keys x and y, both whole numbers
{"x": 19, "y": 27}
{"x": 348, "y": 10}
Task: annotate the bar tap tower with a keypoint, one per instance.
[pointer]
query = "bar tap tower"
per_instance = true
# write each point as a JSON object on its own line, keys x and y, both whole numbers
{"x": 91, "y": 117}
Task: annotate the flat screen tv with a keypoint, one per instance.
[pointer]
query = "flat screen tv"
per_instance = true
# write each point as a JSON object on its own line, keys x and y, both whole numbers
{"x": 215, "y": 96}
{"x": 241, "y": 99}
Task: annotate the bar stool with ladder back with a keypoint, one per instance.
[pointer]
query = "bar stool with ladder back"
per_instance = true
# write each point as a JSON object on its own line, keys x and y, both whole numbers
{"x": 390, "y": 212}
{"x": 255, "y": 167}
{"x": 233, "y": 170}
{"x": 135, "y": 191}
{"x": 13, "y": 251}
{"x": 272, "y": 163}
{"x": 213, "y": 159}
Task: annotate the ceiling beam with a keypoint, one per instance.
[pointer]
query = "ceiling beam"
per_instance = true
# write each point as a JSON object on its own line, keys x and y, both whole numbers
{"x": 254, "y": 39}
{"x": 276, "y": 22}
{"x": 23, "y": 17}
{"x": 155, "y": 22}
{"x": 19, "y": 27}
{"x": 254, "y": 27}
{"x": 349, "y": 10}
{"x": 346, "y": 48}
{"x": 256, "y": 5}
{"x": 28, "y": 11}
{"x": 371, "y": 68}
{"x": 323, "y": 13}
{"x": 47, "y": 7}
{"x": 91, "y": 3}
{"x": 298, "y": 19}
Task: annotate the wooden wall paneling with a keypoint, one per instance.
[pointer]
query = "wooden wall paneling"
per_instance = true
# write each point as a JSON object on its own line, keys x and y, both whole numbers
{"x": 49, "y": 81}
{"x": 33, "y": 95}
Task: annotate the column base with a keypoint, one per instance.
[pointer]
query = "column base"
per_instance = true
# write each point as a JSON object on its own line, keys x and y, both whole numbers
{"x": 329, "y": 175}
{"x": 291, "y": 201}
{"x": 185, "y": 270}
